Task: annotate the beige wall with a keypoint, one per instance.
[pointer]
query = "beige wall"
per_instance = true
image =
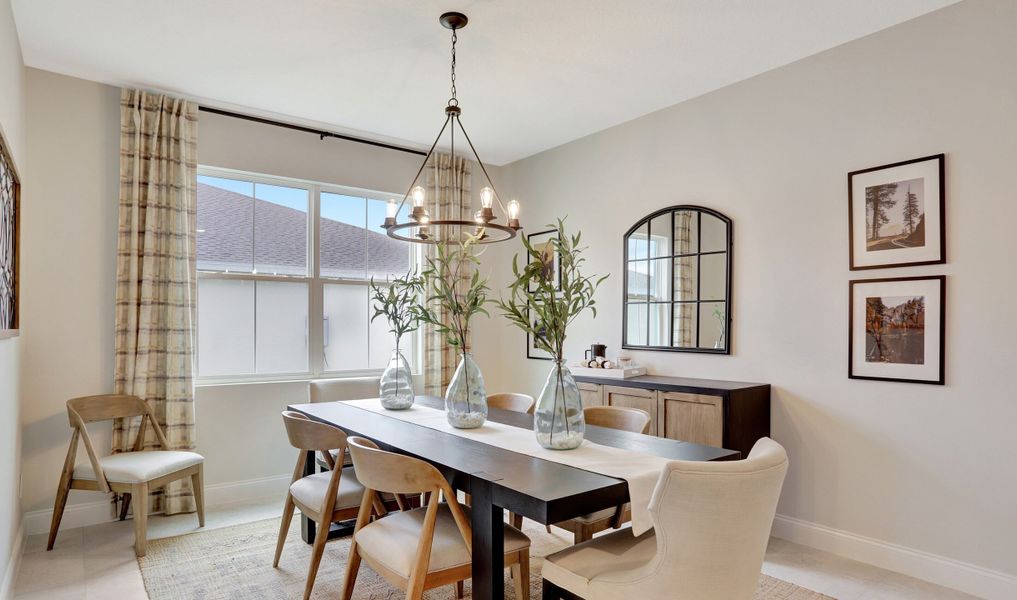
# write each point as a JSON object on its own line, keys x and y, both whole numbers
{"x": 924, "y": 467}
{"x": 12, "y": 117}
{"x": 70, "y": 273}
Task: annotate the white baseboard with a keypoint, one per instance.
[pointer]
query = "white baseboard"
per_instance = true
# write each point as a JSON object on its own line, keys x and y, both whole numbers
{"x": 11, "y": 571}
{"x": 101, "y": 511}
{"x": 966, "y": 577}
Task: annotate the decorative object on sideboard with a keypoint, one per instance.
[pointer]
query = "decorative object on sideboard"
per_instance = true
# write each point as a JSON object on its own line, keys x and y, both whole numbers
{"x": 596, "y": 351}
{"x": 897, "y": 328}
{"x": 420, "y": 225}
{"x": 395, "y": 301}
{"x": 544, "y": 309}
{"x": 676, "y": 296}
{"x": 896, "y": 214}
{"x": 440, "y": 291}
{"x": 10, "y": 217}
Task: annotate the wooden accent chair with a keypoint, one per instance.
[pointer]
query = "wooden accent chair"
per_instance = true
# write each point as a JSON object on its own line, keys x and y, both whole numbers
{"x": 423, "y": 548}
{"x": 711, "y": 525}
{"x": 136, "y": 473}
{"x": 325, "y": 498}
{"x": 614, "y": 417}
{"x": 523, "y": 403}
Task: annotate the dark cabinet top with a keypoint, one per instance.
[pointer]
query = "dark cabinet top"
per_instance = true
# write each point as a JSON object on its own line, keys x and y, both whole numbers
{"x": 688, "y": 385}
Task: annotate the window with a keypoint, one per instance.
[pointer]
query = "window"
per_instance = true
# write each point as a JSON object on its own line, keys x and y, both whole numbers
{"x": 283, "y": 272}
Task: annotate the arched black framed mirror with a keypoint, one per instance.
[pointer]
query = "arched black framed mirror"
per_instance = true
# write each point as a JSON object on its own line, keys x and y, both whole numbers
{"x": 677, "y": 289}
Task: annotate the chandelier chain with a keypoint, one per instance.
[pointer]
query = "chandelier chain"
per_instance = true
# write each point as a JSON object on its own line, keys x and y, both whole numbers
{"x": 453, "y": 101}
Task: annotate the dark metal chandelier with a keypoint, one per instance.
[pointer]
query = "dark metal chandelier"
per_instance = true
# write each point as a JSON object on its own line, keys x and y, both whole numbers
{"x": 420, "y": 227}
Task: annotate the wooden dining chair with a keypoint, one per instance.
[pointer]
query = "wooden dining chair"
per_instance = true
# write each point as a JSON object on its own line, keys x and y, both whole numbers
{"x": 325, "y": 498}
{"x": 423, "y": 548}
{"x": 613, "y": 417}
{"x": 711, "y": 524}
{"x": 514, "y": 402}
{"x": 136, "y": 473}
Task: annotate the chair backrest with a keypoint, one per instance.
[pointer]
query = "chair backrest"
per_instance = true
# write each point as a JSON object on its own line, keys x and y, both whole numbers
{"x": 306, "y": 434}
{"x": 357, "y": 388}
{"x": 522, "y": 403}
{"x": 105, "y": 407}
{"x": 712, "y": 522}
{"x": 635, "y": 420}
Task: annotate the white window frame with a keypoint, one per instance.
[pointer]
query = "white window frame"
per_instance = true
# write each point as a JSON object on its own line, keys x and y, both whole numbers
{"x": 315, "y": 282}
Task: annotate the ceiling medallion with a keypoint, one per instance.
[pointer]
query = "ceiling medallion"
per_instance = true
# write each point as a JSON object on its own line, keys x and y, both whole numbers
{"x": 419, "y": 227}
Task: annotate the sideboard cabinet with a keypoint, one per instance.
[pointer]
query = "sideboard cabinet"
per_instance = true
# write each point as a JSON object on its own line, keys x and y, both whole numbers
{"x": 728, "y": 414}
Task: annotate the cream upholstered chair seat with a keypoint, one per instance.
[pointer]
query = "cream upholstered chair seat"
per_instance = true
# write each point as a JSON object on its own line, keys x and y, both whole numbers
{"x": 711, "y": 525}
{"x": 387, "y": 540}
{"x": 616, "y": 552}
{"x": 136, "y": 467}
{"x": 311, "y": 490}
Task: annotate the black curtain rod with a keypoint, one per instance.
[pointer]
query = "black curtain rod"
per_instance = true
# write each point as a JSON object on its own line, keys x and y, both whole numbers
{"x": 321, "y": 134}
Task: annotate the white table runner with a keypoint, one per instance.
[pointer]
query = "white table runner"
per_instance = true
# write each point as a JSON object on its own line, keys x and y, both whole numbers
{"x": 640, "y": 470}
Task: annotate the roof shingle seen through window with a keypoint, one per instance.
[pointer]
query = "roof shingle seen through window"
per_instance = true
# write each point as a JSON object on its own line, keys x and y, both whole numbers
{"x": 279, "y": 242}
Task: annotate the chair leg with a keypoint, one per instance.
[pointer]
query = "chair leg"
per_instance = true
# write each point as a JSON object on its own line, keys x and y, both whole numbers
{"x": 140, "y": 493}
{"x": 198, "y": 489}
{"x": 521, "y": 575}
{"x": 581, "y": 534}
{"x": 459, "y": 590}
{"x": 316, "y": 551}
{"x": 548, "y": 528}
{"x": 125, "y": 505}
{"x": 58, "y": 510}
{"x": 352, "y": 569}
{"x": 516, "y": 520}
{"x": 284, "y": 528}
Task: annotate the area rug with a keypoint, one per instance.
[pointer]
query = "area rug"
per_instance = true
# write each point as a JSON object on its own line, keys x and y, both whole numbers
{"x": 236, "y": 562}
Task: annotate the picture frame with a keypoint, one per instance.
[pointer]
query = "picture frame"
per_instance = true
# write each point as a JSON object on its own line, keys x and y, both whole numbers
{"x": 897, "y": 329}
{"x": 10, "y": 242}
{"x": 541, "y": 240}
{"x": 897, "y": 214}
{"x": 532, "y": 352}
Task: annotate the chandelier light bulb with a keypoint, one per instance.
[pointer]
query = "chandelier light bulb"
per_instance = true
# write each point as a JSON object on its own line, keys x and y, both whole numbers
{"x": 418, "y": 197}
{"x": 487, "y": 197}
{"x": 391, "y": 209}
{"x": 513, "y": 209}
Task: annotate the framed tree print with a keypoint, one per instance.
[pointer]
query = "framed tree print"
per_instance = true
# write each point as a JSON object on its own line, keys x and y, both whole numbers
{"x": 541, "y": 242}
{"x": 9, "y": 241}
{"x": 897, "y": 214}
{"x": 896, "y": 329}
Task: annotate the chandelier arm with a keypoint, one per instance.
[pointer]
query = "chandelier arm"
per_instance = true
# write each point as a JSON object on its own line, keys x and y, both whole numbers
{"x": 424, "y": 164}
{"x": 482, "y": 167}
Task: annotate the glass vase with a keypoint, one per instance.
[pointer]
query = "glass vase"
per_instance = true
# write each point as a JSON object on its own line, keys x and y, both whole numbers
{"x": 396, "y": 385}
{"x": 558, "y": 420}
{"x": 466, "y": 398}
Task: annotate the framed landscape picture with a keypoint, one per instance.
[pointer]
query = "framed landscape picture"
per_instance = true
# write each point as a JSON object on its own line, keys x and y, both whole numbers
{"x": 897, "y": 328}
{"x": 9, "y": 241}
{"x": 897, "y": 214}
{"x": 532, "y": 351}
{"x": 541, "y": 241}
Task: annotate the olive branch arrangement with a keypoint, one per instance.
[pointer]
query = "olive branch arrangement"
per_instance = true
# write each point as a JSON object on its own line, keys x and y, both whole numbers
{"x": 532, "y": 293}
{"x": 439, "y": 286}
{"x": 395, "y": 301}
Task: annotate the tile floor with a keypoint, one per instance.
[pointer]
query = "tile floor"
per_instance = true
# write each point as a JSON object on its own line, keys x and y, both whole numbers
{"x": 97, "y": 563}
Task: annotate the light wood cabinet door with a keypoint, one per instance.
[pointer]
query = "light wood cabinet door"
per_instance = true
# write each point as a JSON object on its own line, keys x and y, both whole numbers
{"x": 633, "y": 398}
{"x": 592, "y": 394}
{"x": 693, "y": 418}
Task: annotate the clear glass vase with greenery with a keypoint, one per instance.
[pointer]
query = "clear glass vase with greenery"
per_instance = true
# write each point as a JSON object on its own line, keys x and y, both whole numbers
{"x": 544, "y": 305}
{"x": 452, "y": 292}
{"x": 394, "y": 301}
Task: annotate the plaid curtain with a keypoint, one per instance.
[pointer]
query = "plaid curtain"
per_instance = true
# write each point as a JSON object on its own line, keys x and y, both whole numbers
{"x": 448, "y": 183}
{"x": 684, "y": 286}
{"x": 156, "y": 279}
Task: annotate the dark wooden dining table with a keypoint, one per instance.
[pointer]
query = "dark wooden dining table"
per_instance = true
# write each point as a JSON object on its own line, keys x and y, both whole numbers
{"x": 499, "y": 479}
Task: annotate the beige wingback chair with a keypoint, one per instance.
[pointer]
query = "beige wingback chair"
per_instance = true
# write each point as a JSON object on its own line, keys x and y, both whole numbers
{"x": 711, "y": 526}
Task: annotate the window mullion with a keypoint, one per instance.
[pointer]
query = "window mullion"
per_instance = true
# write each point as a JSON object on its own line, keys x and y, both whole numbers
{"x": 315, "y": 292}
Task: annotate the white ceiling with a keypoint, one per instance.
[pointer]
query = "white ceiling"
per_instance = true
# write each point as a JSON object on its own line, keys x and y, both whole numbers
{"x": 532, "y": 74}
